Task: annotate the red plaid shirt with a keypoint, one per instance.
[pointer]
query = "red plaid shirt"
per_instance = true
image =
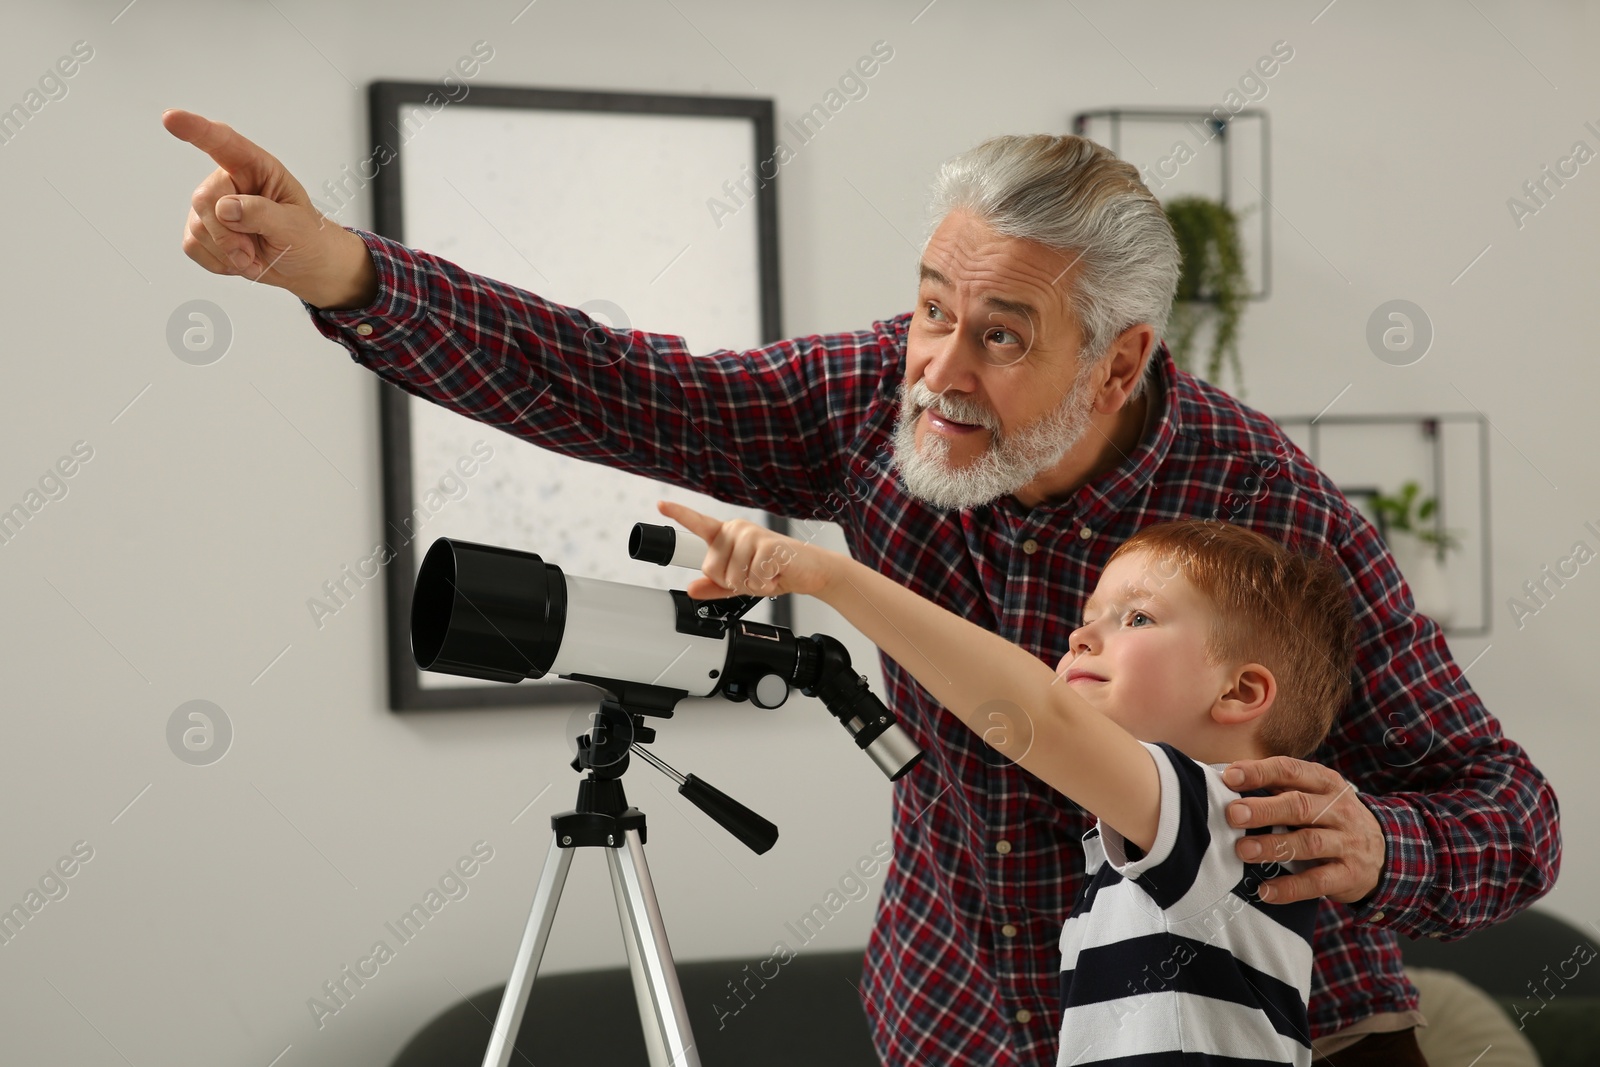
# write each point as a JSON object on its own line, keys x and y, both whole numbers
{"x": 802, "y": 428}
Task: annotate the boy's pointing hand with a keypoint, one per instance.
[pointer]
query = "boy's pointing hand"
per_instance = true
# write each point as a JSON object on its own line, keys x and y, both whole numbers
{"x": 743, "y": 558}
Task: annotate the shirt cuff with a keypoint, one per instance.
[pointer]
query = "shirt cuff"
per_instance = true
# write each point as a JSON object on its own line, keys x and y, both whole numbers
{"x": 397, "y": 310}
{"x": 1408, "y": 867}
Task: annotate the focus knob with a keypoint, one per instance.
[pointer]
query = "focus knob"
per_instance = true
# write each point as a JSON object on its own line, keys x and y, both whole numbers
{"x": 770, "y": 691}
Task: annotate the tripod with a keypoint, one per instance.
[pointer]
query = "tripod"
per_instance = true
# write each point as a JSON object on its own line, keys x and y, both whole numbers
{"x": 503, "y": 616}
{"x": 603, "y": 819}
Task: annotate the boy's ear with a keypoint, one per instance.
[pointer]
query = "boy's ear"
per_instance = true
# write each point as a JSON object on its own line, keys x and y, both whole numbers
{"x": 1250, "y": 696}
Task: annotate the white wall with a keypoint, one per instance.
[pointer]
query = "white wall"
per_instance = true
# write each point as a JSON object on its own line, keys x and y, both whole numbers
{"x": 178, "y": 565}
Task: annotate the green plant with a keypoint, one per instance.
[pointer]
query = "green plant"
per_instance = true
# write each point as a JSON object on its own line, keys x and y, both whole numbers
{"x": 1212, "y": 284}
{"x": 1406, "y": 514}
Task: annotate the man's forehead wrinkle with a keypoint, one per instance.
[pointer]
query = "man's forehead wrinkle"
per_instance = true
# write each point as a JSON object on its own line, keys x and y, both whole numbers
{"x": 984, "y": 244}
{"x": 1019, "y": 278}
{"x": 998, "y": 305}
{"x": 936, "y": 262}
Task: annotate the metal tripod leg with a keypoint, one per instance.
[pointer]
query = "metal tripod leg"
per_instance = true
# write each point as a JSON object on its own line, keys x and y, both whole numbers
{"x": 655, "y": 979}
{"x": 515, "y": 1001}
{"x": 663, "y": 1016}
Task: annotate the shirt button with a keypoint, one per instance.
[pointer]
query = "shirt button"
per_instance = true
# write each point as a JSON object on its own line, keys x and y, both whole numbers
{"x": 1030, "y": 546}
{"x": 1009, "y": 930}
{"x": 1024, "y": 1015}
{"x": 1002, "y": 846}
{"x": 364, "y": 330}
{"x": 1375, "y": 917}
{"x": 1085, "y": 533}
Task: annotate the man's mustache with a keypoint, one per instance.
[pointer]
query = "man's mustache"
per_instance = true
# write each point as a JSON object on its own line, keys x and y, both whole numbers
{"x": 956, "y": 409}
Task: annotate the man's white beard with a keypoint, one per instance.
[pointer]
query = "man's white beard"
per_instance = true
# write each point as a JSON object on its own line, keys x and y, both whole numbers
{"x": 1008, "y": 464}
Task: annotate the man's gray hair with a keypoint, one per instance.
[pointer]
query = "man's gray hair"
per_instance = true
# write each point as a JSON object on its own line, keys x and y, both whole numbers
{"x": 1074, "y": 196}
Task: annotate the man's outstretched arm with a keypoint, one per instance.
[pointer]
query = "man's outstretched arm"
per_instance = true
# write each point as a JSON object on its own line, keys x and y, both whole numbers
{"x": 770, "y": 427}
{"x": 767, "y": 428}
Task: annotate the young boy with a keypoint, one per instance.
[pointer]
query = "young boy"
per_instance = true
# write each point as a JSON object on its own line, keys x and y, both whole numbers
{"x": 1202, "y": 643}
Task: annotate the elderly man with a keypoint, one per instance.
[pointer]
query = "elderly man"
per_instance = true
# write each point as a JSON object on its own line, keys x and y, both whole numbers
{"x": 988, "y": 449}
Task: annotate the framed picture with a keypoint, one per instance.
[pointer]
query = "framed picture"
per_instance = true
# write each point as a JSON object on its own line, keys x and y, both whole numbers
{"x": 598, "y": 201}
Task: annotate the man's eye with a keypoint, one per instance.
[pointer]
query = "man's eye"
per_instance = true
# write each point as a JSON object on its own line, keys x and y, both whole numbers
{"x": 1015, "y": 340}
{"x": 933, "y": 310}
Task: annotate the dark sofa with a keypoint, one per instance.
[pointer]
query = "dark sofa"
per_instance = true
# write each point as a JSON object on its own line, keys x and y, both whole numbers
{"x": 810, "y": 1011}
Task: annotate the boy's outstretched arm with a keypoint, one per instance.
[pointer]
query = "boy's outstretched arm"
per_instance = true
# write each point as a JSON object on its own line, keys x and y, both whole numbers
{"x": 1004, "y": 693}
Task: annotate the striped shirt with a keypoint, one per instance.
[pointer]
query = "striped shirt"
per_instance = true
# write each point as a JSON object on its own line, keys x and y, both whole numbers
{"x": 1170, "y": 957}
{"x": 963, "y": 965}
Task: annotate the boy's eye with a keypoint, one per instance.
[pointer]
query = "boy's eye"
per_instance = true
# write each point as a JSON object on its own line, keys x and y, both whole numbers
{"x": 1133, "y": 615}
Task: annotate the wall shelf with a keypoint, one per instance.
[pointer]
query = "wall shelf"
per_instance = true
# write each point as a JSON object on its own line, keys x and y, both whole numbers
{"x": 1219, "y": 153}
{"x": 1447, "y": 454}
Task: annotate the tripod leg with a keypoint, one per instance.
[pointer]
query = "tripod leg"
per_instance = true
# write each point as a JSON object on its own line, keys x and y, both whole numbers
{"x": 515, "y": 1001}
{"x": 655, "y": 1043}
{"x": 655, "y": 977}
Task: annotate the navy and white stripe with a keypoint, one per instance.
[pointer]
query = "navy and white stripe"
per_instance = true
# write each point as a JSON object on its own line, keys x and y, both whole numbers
{"x": 1170, "y": 957}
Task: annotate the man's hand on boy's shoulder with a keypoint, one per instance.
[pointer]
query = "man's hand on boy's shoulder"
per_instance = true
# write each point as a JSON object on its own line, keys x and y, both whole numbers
{"x": 1335, "y": 830}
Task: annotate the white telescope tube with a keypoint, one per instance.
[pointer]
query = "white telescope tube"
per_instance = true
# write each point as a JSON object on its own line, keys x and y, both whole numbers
{"x": 613, "y": 627}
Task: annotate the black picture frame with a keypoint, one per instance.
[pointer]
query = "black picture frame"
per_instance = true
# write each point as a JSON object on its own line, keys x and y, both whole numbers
{"x": 385, "y": 100}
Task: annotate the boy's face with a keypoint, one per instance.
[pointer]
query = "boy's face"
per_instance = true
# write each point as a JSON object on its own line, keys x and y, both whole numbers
{"x": 1140, "y": 655}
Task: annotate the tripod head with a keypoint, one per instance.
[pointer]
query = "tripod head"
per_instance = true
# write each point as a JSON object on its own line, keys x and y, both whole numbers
{"x": 604, "y": 752}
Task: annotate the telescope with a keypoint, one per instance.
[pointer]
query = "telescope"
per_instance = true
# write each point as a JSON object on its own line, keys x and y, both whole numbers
{"x": 501, "y": 615}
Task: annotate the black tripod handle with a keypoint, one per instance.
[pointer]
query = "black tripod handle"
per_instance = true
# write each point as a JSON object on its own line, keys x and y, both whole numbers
{"x": 732, "y": 816}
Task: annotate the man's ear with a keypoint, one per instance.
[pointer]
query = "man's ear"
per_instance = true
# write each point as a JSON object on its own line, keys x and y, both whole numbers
{"x": 1250, "y": 695}
{"x": 1124, "y": 364}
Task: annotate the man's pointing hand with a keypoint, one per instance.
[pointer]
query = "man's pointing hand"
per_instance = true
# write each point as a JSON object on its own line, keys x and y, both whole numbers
{"x": 251, "y": 218}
